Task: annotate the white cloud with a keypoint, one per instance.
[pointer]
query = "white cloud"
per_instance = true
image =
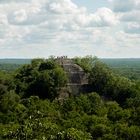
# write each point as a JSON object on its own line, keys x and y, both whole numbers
{"x": 11, "y": 1}
{"x": 3, "y": 26}
{"x": 131, "y": 16}
{"x": 128, "y": 12}
{"x": 46, "y": 27}
{"x": 20, "y": 16}
{"x": 3, "y": 20}
{"x": 133, "y": 27}
{"x": 125, "y": 5}
{"x": 121, "y": 6}
{"x": 106, "y": 17}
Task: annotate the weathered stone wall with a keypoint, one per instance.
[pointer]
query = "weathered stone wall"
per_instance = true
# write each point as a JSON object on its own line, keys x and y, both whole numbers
{"x": 77, "y": 78}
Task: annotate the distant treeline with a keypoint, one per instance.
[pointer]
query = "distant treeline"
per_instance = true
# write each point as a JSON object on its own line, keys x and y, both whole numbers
{"x": 10, "y": 65}
{"x": 15, "y": 61}
{"x": 129, "y": 67}
{"x": 114, "y": 62}
{"x": 122, "y": 62}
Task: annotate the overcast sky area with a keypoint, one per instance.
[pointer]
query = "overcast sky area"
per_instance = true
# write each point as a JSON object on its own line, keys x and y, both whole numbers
{"x": 40, "y": 28}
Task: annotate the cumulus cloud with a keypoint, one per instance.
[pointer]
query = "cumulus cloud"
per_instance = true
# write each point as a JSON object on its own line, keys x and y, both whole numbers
{"x": 3, "y": 26}
{"x": 5, "y": 1}
{"x": 51, "y": 10}
{"x": 131, "y": 16}
{"x": 128, "y": 12}
{"x": 20, "y": 16}
{"x": 105, "y": 17}
{"x": 125, "y": 5}
{"x": 133, "y": 27}
{"x": 3, "y": 20}
{"x": 52, "y": 25}
{"x": 120, "y": 6}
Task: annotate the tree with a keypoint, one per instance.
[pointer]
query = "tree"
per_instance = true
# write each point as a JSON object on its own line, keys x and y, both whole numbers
{"x": 99, "y": 130}
{"x": 116, "y": 113}
{"x": 99, "y": 77}
{"x": 110, "y": 85}
{"x": 87, "y": 63}
{"x": 43, "y": 78}
{"x": 73, "y": 134}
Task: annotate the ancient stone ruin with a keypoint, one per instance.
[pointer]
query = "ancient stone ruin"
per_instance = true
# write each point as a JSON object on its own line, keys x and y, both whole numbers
{"x": 77, "y": 78}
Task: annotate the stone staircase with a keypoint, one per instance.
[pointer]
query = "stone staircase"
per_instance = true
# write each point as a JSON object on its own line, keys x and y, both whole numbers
{"x": 77, "y": 78}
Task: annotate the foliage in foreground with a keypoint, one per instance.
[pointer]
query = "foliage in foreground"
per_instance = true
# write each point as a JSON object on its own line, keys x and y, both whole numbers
{"x": 29, "y": 108}
{"x": 77, "y": 118}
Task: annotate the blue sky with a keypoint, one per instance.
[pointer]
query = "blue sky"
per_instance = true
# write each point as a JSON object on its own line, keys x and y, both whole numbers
{"x": 92, "y": 5}
{"x": 40, "y": 28}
